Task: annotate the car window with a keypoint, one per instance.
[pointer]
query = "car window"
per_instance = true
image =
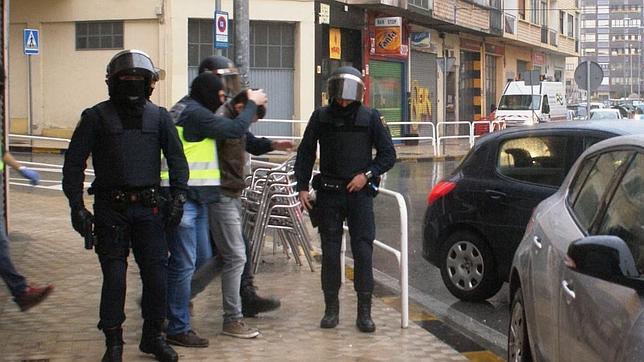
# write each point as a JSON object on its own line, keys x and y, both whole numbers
{"x": 586, "y": 203}
{"x": 625, "y": 213}
{"x": 580, "y": 178}
{"x": 539, "y": 159}
{"x": 590, "y": 140}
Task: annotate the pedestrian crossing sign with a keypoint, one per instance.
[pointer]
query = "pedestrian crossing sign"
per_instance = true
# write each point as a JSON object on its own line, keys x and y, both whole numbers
{"x": 31, "y": 41}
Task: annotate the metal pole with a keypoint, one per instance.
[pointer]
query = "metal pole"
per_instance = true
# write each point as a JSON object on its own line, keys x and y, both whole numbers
{"x": 242, "y": 47}
{"x": 588, "y": 89}
{"x": 630, "y": 60}
{"x": 445, "y": 53}
{"x": 217, "y": 8}
{"x": 30, "y": 114}
{"x": 639, "y": 63}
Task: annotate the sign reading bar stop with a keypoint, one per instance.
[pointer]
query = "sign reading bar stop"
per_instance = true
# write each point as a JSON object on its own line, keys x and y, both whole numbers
{"x": 221, "y": 30}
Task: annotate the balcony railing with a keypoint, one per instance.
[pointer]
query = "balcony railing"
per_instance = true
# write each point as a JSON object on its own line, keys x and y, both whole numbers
{"x": 510, "y": 24}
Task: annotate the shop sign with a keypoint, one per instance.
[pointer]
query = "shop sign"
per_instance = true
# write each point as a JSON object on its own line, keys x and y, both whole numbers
{"x": 420, "y": 40}
{"x": 335, "y": 43}
{"x": 538, "y": 59}
{"x": 494, "y": 49}
{"x": 388, "y": 36}
{"x": 325, "y": 14}
{"x": 471, "y": 45}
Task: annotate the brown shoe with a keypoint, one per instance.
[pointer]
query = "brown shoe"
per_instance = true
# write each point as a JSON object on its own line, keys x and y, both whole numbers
{"x": 239, "y": 329}
{"x": 32, "y": 296}
{"x": 188, "y": 339}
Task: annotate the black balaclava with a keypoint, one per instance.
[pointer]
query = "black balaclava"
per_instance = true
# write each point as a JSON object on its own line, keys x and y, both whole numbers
{"x": 205, "y": 90}
{"x": 129, "y": 97}
{"x": 346, "y": 113}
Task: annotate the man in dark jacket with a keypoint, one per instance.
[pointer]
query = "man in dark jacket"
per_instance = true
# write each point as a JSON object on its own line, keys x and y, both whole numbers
{"x": 347, "y": 132}
{"x": 125, "y": 136}
{"x": 233, "y": 182}
{"x": 200, "y": 130}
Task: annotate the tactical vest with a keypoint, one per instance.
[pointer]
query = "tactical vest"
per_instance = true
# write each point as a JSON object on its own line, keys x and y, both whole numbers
{"x": 202, "y": 162}
{"x": 128, "y": 157}
{"x": 345, "y": 145}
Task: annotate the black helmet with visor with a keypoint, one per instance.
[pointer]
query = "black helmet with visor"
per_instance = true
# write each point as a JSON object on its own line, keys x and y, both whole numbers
{"x": 225, "y": 69}
{"x": 346, "y": 83}
{"x": 131, "y": 62}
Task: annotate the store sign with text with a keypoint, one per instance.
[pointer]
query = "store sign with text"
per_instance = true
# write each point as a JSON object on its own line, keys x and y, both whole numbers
{"x": 388, "y": 36}
{"x": 335, "y": 43}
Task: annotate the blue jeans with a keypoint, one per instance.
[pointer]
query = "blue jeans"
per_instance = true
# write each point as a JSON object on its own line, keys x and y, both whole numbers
{"x": 225, "y": 225}
{"x": 15, "y": 282}
{"x": 183, "y": 244}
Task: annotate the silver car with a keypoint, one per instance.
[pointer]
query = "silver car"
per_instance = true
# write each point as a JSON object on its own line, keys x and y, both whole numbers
{"x": 577, "y": 278}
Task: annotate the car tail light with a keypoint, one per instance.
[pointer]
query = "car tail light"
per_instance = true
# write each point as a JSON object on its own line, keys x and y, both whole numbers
{"x": 440, "y": 189}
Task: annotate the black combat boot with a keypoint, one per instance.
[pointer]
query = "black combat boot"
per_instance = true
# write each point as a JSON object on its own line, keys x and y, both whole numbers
{"x": 152, "y": 341}
{"x": 114, "y": 344}
{"x": 252, "y": 304}
{"x": 364, "y": 322}
{"x": 331, "y": 311}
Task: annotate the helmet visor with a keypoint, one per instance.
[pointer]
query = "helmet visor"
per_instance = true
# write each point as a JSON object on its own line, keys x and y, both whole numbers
{"x": 346, "y": 86}
{"x": 132, "y": 62}
{"x": 232, "y": 81}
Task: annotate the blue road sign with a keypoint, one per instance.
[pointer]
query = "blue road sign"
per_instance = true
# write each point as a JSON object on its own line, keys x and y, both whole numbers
{"x": 221, "y": 30}
{"x": 31, "y": 42}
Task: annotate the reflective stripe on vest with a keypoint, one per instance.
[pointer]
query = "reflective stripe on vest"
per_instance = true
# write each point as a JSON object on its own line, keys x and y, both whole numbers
{"x": 202, "y": 161}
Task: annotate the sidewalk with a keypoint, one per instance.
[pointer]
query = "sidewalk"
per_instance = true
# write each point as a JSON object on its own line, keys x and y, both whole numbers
{"x": 46, "y": 249}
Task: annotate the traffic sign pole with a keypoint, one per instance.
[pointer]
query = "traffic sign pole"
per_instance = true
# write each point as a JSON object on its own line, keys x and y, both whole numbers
{"x": 217, "y": 10}
{"x": 588, "y": 89}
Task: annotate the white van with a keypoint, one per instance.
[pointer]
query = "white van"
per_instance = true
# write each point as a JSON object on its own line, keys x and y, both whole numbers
{"x": 519, "y": 105}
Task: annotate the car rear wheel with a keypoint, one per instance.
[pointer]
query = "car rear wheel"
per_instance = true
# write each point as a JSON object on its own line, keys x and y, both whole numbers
{"x": 518, "y": 342}
{"x": 467, "y": 267}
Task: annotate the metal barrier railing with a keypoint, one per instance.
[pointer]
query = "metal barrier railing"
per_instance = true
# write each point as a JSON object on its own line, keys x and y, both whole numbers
{"x": 401, "y": 255}
{"x": 468, "y": 136}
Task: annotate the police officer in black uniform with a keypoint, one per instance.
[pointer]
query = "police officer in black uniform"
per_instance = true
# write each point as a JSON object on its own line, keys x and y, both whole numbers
{"x": 347, "y": 132}
{"x": 125, "y": 136}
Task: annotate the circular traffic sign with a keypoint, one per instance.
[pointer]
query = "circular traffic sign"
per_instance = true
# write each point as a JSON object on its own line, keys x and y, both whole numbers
{"x": 596, "y": 75}
{"x": 222, "y": 24}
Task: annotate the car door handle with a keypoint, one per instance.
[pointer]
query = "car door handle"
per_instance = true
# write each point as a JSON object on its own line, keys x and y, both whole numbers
{"x": 537, "y": 242}
{"x": 494, "y": 194}
{"x": 567, "y": 289}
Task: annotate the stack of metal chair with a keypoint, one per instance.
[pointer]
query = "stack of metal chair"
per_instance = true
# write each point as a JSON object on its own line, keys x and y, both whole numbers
{"x": 270, "y": 202}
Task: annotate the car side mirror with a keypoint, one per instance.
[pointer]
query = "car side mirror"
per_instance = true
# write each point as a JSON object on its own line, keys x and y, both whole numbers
{"x": 605, "y": 257}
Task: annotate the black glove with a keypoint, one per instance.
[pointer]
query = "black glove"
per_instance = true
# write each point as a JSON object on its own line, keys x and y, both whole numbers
{"x": 174, "y": 211}
{"x": 82, "y": 220}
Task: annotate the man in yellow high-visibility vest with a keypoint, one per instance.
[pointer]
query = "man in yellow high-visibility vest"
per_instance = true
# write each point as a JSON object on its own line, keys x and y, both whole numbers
{"x": 198, "y": 129}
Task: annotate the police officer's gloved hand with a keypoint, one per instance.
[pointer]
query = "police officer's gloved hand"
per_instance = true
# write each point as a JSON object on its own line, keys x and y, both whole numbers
{"x": 31, "y": 175}
{"x": 175, "y": 211}
{"x": 82, "y": 220}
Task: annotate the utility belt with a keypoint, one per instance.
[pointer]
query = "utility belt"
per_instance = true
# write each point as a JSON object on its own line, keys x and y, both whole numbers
{"x": 328, "y": 183}
{"x": 120, "y": 199}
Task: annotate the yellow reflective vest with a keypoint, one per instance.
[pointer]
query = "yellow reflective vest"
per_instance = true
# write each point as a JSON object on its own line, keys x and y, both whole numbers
{"x": 202, "y": 162}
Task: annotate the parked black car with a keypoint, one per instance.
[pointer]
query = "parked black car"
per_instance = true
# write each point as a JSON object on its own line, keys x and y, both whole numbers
{"x": 477, "y": 215}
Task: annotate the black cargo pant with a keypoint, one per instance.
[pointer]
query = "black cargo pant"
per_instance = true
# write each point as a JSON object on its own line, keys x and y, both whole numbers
{"x": 357, "y": 209}
{"x": 141, "y": 228}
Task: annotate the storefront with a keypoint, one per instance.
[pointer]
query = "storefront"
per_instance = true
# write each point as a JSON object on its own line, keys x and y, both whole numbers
{"x": 423, "y": 83}
{"x": 470, "y": 81}
{"x": 388, "y": 52}
{"x": 340, "y": 32}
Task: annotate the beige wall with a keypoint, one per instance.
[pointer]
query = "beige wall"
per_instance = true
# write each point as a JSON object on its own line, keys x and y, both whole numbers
{"x": 65, "y": 81}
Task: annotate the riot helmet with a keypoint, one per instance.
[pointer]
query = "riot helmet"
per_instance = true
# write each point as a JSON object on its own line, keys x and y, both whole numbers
{"x": 225, "y": 69}
{"x": 135, "y": 63}
{"x": 346, "y": 83}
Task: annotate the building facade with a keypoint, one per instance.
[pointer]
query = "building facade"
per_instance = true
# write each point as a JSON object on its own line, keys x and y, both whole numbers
{"x": 424, "y": 61}
{"x": 78, "y": 38}
{"x": 611, "y": 35}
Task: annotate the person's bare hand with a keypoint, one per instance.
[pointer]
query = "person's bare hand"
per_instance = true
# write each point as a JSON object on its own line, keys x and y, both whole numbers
{"x": 257, "y": 96}
{"x": 357, "y": 183}
{"x": 304, "y": 199}
{"x": 282, "y": 145}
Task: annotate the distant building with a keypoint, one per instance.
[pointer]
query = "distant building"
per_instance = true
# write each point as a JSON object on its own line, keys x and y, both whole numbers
{"x": 611, "y": 35}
